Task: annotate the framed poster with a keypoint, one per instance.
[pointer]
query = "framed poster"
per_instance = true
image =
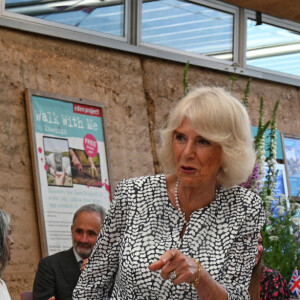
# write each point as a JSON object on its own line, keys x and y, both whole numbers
{"x": 292, "y": 162}
{"x": 70, "y": 162}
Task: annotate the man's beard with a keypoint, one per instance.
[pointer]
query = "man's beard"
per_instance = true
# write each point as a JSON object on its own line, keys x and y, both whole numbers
{"x": 82, "y": 251}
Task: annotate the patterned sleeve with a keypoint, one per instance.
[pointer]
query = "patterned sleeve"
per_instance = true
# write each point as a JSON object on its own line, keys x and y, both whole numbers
{"x": 98, "y": 276}
{"x": 241, "y": 256}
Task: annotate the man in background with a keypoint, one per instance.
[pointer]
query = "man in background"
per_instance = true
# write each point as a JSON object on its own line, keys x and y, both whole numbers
{"x": 58, "y": 274}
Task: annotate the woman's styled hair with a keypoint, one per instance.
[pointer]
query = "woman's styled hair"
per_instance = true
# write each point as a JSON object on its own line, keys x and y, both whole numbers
{"x": 218, "y": 117}
{"x": 4, "y": 224}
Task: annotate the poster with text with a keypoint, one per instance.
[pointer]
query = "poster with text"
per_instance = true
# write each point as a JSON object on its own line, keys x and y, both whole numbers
{"x": 70, "y": 162}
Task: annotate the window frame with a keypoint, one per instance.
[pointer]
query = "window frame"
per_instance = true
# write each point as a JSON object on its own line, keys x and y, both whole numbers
{"x": 131, "y": 42}
{"x": 267, "y": 73}
{"x": 69, "y": 32}
{"x": 212, "y": 4}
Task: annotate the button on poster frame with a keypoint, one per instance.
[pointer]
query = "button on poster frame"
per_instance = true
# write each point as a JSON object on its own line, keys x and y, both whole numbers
{"x": 70, "y": 162}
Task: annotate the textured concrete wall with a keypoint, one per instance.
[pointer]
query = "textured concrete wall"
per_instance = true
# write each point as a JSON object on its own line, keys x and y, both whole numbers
{"x": 138, "y": 93}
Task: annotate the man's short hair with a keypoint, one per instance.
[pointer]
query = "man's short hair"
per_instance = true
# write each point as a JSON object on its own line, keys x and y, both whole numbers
{"x": 91, "y": 208}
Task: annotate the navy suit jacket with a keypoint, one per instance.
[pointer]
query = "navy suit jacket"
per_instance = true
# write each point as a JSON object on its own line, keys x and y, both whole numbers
{"x": 57, "y": 275}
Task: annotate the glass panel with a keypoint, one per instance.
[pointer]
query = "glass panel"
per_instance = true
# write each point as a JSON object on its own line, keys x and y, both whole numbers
{"x": 273, "y": 48}
{"x": 187, "y": 26}
{"x": 102, "y": 16}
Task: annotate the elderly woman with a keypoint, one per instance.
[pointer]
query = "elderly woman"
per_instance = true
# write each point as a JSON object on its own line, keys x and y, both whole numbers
{"x": 190, "y": 234}
{"x": 6, "y": 243}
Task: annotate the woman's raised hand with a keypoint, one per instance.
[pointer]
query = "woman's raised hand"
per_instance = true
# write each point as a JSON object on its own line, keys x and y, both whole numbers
{"x": 176, "y": 266}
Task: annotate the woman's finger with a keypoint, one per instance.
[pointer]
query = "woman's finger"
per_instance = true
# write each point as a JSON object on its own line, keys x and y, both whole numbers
{"x": 157, "y": 265}
{"x": 165, "y": 258}
{"x": 169, "y": 255}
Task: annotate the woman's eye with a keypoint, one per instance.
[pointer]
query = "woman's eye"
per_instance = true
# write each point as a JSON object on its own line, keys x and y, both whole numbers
{"x": 179, "y": 137}
{"x": 202, "y": 141}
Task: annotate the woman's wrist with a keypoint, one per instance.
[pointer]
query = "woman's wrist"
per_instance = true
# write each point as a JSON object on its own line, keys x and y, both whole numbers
{"x": 196, "y": 281}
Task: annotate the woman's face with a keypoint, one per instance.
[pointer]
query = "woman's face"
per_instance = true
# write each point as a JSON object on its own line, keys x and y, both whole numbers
{"x": 260, "y": 249}
{"x": 9, "y": 243}
{"x": 197, "y": 160}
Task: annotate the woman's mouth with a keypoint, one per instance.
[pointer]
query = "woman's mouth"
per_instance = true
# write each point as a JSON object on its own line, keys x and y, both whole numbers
{"x": 187, "y": 168}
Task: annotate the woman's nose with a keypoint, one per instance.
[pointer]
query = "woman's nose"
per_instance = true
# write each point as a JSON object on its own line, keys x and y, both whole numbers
{"x": 189, "y": 149}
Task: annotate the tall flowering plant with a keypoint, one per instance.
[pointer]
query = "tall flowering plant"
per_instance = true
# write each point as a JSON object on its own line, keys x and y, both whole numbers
{"x": 262, "y": 182}
{"x": 281, "y": 231}
{"x": 257, "y": 181}
{"x": 271, "y": 174}
{"x": 185, "y": 80}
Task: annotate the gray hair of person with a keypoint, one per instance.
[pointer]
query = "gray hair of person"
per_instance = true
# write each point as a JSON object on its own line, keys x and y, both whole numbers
{"x": 91, "y": 208}
{"x": 4, "y": 224}
{"x": 218, "y": 117}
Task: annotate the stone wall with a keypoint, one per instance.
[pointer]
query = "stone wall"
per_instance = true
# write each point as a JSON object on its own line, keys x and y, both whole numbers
{"x": 138, "y": 93}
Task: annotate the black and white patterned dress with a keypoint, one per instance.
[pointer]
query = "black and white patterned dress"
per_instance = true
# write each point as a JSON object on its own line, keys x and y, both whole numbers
{"x": 142, "y": 224}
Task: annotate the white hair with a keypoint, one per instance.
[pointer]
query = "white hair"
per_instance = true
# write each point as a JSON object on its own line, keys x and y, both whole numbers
{"x": 218, "y": 117}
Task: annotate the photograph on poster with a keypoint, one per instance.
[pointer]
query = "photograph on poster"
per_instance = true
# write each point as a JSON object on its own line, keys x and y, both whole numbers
{"x": 57, "y": 161}
{"x": 292, "y": 160}
{"x": 85, "y": 169}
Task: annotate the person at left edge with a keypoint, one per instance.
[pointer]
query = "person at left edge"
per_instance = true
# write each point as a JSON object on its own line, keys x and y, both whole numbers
{"x": 6, "y": 247}
{"x": 58, "y": 274}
